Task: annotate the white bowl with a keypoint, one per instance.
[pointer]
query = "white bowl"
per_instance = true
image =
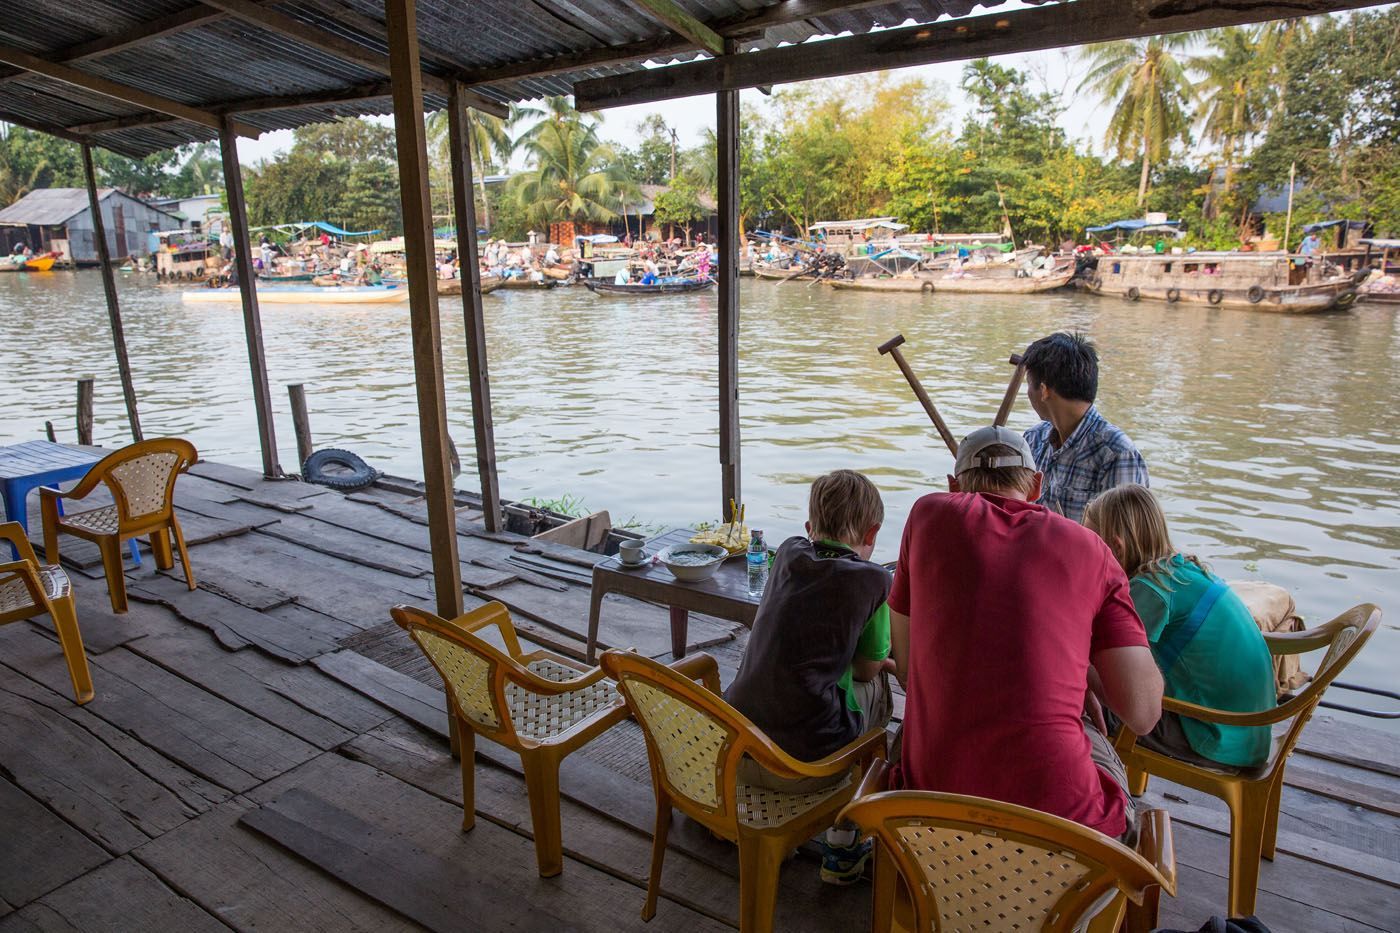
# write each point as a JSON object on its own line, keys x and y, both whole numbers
{"x": 693, "y": 573}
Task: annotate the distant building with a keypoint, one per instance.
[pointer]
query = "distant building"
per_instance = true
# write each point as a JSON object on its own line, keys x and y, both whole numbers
{"x": 639, "y": 221}
{"x": 58, "y": 220}
{"x": 202, "y": 212}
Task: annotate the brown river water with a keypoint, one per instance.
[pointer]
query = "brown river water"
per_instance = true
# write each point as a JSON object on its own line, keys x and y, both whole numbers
{"x": 1273, "y": 441}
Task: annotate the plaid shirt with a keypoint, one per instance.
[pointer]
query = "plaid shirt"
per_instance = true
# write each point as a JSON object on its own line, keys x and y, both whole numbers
{"x": 1097, "y": 456}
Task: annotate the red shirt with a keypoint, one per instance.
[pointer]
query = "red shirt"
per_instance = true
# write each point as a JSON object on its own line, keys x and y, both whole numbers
{"x": 1007, "y": 602}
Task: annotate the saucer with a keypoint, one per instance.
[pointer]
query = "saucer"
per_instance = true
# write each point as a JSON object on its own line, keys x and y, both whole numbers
{"x": 646, "y": 559}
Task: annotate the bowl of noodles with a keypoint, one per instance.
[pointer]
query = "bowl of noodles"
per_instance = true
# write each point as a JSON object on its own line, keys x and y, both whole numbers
{"x": 692, "y": 563}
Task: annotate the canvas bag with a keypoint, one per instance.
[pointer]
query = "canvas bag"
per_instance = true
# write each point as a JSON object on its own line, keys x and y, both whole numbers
{"x": 1275, "y": 613}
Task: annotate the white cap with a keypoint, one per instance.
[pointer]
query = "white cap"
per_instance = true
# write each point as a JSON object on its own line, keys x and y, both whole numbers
{"x": 970, "y": 454}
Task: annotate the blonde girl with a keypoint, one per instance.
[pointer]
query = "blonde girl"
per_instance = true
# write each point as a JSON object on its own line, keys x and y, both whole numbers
{"x": 1203, "y": 638}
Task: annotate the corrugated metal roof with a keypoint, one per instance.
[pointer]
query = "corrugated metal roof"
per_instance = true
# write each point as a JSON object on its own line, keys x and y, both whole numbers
{"x": 46, "y": 207}
{"x": 224, "y": 60}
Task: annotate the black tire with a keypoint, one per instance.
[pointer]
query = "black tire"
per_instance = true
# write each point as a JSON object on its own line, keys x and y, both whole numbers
{"x": 1215, "y": 296}
{"x": 1173, "y": 295}
{"x": 1132, "y": 294}
{"x": 199, "y": 272}
{"x": 1346, "y": 299}
{"x": 356, "y": 473}
{"x": 927, "y": 288}
{"x": 1255, "y": 295}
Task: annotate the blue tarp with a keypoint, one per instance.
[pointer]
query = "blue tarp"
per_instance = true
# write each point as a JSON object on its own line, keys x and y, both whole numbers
{"x": 1131, "y": 225}
{"x": 1328, "y": 224}
{"x": 333, "y": 230}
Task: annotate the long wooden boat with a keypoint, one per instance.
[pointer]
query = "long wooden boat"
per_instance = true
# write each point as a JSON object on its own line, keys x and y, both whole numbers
{"x": 367, "y": 294}
{"x": 768, "y": 270}
{"x": 676, "y": 287}
{"x": 489, "y": 283}
{"x": 1274, "y": 282}
{"x": 524, "y": 281}
{"x": 966, "y": 284}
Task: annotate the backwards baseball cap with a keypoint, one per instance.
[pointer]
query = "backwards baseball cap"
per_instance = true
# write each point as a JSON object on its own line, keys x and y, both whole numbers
{"x": 971, "y": 455}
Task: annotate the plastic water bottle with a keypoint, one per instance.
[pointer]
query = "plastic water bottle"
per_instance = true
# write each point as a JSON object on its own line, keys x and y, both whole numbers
{"x": 758, "y": 564}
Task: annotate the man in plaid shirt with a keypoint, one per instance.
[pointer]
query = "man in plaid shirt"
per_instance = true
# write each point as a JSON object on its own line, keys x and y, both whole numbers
{"x": 1078, "y": 450}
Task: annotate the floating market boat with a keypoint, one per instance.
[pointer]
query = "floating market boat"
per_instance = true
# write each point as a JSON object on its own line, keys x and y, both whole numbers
{"x": 960, "y": 284}
{"x": 1276, "y": 282}
{"x": 762, "y": 269}
{"x": 525, "y": 281}
{"x": 1383, "y": 283}
{"x": 39, "y": 263}
{"x": 666, "y": 286}
{"x": 489, "y": 283}
{"x": 311, "y": 295}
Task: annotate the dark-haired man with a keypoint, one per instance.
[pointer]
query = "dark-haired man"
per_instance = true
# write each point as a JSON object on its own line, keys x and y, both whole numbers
{"x": 997, "y": 611}
{"x": 1079, "y": 452}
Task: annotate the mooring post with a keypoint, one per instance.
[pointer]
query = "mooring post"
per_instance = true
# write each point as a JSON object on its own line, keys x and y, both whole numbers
{"x": 301, "y": 421}
{"x": 465, "y": 206}
{"x": 52, "y": 435}
{"x": 252, "y": 318}
{"x": 109, "y": 286}
{"x": 727, "y": 151}
{"x": 85, "y": 411}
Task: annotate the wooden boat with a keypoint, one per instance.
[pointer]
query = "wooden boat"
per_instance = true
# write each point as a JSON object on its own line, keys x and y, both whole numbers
{"x": 524, "y": 281}
{"x": 768, "y": 270}
{"x": 1275, "y": 282}
{"x": 289, "y": 277}
{"x": 1382, "y": 284}
{"x": 39, "y": 263}
{"x": 366, "y": 294}
{"x": 965, "y": 284}
{"x": 489, "y": 283}
{"x": 672, "y": 287}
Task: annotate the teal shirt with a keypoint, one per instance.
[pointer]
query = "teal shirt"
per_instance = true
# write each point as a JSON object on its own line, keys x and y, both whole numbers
{"x": 1226, "y": 666}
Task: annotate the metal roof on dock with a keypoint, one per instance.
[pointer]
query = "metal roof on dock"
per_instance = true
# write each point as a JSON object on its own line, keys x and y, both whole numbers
{"x": 280, "y": 65}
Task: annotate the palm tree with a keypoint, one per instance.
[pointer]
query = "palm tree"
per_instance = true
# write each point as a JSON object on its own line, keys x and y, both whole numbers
{"x": 489, "y": 140}
{"x": 575, "y": 177}
{"x": 1148, "y": 89}
{"x": 15, "y": 183}
{"x": 1235, "y": 91}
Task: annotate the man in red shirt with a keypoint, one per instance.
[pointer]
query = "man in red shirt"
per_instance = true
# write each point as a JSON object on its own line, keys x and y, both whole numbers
{"x": 1001, "y": 615}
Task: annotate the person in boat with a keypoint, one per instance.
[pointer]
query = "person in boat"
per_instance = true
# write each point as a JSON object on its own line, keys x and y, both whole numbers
{"x": 1311, "y": 244}
{"x": 1002, "y": 613}
{"x": 551, "y": 257}
{"x": 347, "y": 266}
{"x": 650, "y": 277}
{"x": 1076, "y": 448}
{"x": 702, "y": 265}
{"x": 1204, "y": 639}
{"x": 814, "y": 676}
{"x": 622, "y": 278}
{"x": 371, "y": 275}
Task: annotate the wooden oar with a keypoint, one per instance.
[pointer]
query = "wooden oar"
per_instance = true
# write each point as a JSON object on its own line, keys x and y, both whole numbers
{"x": 891, "y": 347}
{"x": 1012, "y": 389}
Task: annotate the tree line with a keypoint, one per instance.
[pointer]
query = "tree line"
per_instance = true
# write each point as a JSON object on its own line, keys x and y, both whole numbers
{"x": 1201, "y": 126}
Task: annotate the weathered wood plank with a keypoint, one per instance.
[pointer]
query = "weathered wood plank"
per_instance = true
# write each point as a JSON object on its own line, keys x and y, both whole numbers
{"x": 412, "y": 700}
{"x": 253, "y": 884}
{"x": 405, "y": 848}
{"x": 1350, "y": 743}
{"x": 59, "y": 763}
{"x": 233, "y": 625}
{"x": 350, "y": 546}
{"x": 121, "y": 896}
{"x": 67, "y": 853}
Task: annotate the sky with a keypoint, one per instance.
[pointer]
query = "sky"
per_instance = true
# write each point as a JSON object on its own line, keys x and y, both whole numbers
{"x": 1057, "y": 70}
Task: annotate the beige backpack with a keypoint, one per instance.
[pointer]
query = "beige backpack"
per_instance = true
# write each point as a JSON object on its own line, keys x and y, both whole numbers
{"x": 1274, "y": 612}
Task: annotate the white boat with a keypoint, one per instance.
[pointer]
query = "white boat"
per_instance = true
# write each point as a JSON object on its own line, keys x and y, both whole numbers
{"x": 311, "y": 295}
{"x": 1275, "y": 282}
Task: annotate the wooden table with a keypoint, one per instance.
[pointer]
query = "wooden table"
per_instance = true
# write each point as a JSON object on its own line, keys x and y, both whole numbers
{"x": 725, "y": 595}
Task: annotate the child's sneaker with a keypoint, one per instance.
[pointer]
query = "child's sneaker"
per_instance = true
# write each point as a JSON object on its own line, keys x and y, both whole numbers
{"x": 844, "y": 864}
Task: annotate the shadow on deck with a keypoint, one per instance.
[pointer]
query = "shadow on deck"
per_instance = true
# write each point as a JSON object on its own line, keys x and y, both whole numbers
{"x": 269, "y": 751}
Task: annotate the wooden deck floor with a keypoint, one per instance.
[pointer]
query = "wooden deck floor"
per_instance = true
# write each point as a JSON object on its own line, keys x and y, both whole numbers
{"x": 268, "y": 752}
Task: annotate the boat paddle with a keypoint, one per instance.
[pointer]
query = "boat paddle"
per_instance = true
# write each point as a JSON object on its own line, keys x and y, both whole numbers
{"x": 891, "y": 347}
{"x": 1012, "y": 388}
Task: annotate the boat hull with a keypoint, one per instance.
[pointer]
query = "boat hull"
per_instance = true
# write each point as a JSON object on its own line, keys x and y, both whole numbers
{"x": 603, "y": 287}
{"x": 315, "y": 296}
{"x": 42, "y": 264}
{"x": 454, "y": 286}
{"x": 962, "y": 285}
{"x": 1298, "y": 299}
{"x": 762, "y": 270}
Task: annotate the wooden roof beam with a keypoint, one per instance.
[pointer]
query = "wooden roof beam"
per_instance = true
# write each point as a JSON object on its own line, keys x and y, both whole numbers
{"x": 121, "y": 92}
{"x": 1076, "y": 23}
{"x": 676, "y": 19}
{"x": 328, "y": 42}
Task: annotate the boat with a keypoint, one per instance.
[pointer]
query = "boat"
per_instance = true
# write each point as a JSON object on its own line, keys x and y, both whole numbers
{"x": 769, "y": 270}
{"x": 357, "y": 294}
{"x": 666, "y": 286}
{"x": 1274, "y": 281}
{"x": 963, "y": 284}
{"x": 1383, "y": 282}
{"x": 489, "y": 283}
{"x": 525, "y": 281}
{"x": 39, "y": 263}
{"x": 287, "y": 277}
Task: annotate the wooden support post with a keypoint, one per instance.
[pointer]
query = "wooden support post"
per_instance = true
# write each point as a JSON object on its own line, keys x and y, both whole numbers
{"x": 730, "y": 236}
{"x": 252, "y": 320}
{"x": 301, "y": 421}
{"x": 109, "y": 286}
{"x": 85, "y": 411}
{"x": 50, "y": 432}
{"x": 426, "y": 328}
{"x": 464, "y": 205}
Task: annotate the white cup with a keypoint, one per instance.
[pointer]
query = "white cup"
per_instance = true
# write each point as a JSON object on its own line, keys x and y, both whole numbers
{"x": 630, "y": 552}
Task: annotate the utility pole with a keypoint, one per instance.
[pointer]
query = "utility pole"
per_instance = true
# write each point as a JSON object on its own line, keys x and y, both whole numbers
{"x": 672, "y": 131}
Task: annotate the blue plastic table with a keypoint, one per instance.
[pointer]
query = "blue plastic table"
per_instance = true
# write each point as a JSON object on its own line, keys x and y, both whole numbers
{"x": 25, "y": 467}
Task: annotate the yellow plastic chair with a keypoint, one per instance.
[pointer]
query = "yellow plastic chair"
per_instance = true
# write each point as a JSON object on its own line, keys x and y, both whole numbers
{"x": 1253, "y": 793}
{"x": 950, "y": 863}
{"x": 540, "y": 705}
{"x": 141, "y": 479}
{"x": 695, "y": 741}
{"x": 28, "y": 588}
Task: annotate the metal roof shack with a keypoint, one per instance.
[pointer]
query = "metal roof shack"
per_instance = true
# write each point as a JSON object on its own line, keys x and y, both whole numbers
{"x": 59, "y": 220}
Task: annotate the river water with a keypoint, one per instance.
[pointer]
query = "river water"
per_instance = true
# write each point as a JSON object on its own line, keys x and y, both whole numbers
{"x": 1271, "y": 440}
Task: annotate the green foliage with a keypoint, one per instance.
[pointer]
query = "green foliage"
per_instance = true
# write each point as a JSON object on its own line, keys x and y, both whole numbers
{"x": 649, "y": 162}
{"x": 575, "y": 176}
{"x": 679, "y": 205}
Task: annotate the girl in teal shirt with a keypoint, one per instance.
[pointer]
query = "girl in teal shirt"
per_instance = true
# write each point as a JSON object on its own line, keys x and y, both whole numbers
{"x": 1203, "y": 638}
